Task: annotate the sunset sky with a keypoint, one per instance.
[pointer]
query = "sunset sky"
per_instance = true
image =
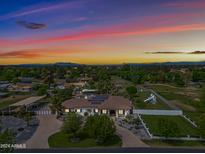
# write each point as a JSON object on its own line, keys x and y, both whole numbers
{"x": 101, "y": 31}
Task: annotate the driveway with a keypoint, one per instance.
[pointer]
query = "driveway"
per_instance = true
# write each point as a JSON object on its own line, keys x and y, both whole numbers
{"x": 128, "y": 138}
{"x": 48, "y": 125}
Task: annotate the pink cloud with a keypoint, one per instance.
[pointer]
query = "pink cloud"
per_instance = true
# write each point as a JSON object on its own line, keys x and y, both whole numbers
{"x": 167, "y": 23}
{"x": 116, "y": 31}
{"x": 197, "y": 4}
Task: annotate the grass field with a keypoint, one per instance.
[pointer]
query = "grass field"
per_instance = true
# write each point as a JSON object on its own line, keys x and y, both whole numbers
{"x": 140, "y": 104}
{"x": 187, "y": 99}
{"x": 11, "y": 100}
{"x": 61, "y": 140}
{"x": 183, "y": 126}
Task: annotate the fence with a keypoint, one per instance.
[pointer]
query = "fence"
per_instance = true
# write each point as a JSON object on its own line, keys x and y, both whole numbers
{"x": 179, "y": 138}
{"x": 158, "y": 112}
{"x": 189, "y": 120}
{"x": 145, "y": 127}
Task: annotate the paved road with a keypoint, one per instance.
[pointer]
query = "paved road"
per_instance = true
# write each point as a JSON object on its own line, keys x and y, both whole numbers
{"x": 128, "y": 138}
{"x": 48, "y": 125}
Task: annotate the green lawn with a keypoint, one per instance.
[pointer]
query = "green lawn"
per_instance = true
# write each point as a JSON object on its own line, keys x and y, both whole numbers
{"x": 184, "y": 127}
{"x": 61, "y": 140}
{"x": 195, "y": 116}
{"x": 140, "y": 104}
{"x": 11, "y": 100}
{"x": 162, "y": 143}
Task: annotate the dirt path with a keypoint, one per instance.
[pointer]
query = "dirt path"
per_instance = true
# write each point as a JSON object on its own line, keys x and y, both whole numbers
{"x": 128, "y": 138}
{"x": 48, "y": 125}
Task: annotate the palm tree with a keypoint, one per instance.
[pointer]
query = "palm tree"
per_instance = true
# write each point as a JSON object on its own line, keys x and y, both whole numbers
{"x": 56, "y": 105}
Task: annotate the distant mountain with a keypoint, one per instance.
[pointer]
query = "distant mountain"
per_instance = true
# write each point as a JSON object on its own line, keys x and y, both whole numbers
{"x": 202, "y": 63}
{"x": 54, "y": 64}
{"x": 169, "y": 64}
{"x": 67, "y": 64}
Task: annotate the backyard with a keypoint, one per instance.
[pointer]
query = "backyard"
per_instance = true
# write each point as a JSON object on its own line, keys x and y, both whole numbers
{"x": 140, "y": 104}
{"x": 183, "y": 128}
{"x": 187, "y": 99}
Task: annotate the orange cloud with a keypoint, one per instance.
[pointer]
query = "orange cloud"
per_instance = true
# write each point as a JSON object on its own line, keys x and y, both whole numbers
{"x": 37, "y": 53}
{"x": 20, "y": 54}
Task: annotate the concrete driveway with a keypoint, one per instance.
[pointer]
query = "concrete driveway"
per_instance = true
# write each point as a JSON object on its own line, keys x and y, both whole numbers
{"x": 48, "y": 125}
{"x": 128, "y": 138}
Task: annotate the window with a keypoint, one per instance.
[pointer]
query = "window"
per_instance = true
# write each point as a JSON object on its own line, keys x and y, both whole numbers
{"x": 66, "y": 110}
{"x": 96, "y": 110}
{"x": 104, "y": 111}
{"x": 121, "y": 112}
{"x": 78, "y": 110}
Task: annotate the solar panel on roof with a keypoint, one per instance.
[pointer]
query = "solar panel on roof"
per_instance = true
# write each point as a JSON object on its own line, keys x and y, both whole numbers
{"x": 95, "y": 102}
{"x": 99, "y": 98}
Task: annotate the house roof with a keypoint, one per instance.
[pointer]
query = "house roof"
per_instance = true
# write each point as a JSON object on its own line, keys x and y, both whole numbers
{"x": 28, "y": 101}
{"x": 116, "y": 102}
{"x": 112, "y": 102}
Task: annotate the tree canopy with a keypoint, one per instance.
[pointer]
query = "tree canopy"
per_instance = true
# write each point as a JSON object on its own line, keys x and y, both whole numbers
{"x": 100, "y": 127}
{"x": 72, "y": 123}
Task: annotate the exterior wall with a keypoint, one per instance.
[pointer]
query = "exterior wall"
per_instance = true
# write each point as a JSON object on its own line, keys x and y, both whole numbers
{"x": 83, "y": 111}
{"x": 158, "y": 112}
{"x": 92, "y": 111}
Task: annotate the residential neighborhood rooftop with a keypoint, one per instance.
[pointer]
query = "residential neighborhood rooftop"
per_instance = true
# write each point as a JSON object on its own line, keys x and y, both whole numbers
{"x": 111, "y": 102}
{"x": 28, "y": 101}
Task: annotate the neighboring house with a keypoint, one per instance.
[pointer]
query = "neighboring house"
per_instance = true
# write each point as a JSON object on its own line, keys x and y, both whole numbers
{"x": 75, "y": 84}
{"x": 60, "y": 83}
{"x": 84, "y": 79}
{"x": 4, "y": 85}
{"x": 61, "y": 87}
{"x": 24, "y": 85}
{"x": 20, "y": 87}
{"x": 99, "y": 104}
{"x": 26, "y": 80}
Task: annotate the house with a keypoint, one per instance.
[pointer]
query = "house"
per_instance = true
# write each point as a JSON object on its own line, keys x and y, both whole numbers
{"x": 4, "y": 85}
{"x": 26, "y": 80}
{"x": 75, "y": 84}
{"x": 24, "y": 85}
{"x": 20, "y": 87}
{"x": 99, "y": 104}
{"x": 60, "y": 84}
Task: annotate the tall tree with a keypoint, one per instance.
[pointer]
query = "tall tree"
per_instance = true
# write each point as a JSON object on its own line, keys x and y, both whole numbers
{"x": 100, "y": 127}
{"x": 56, "y": 105}
{"x": 72, "y": 123}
